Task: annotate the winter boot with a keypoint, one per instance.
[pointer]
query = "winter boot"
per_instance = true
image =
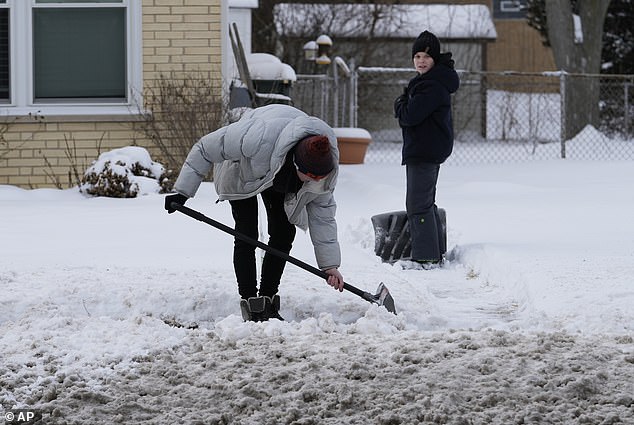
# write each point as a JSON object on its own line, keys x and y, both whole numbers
{"x": 255, "y": 309}
{"x": 430, "y": 264}
{"x": 274, "y": 313}
{"x": 244, "y": 308}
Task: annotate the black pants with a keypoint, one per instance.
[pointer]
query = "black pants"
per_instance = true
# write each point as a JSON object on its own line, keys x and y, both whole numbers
{"x": 422, "y": 213}
{"x": 281, "y": 236}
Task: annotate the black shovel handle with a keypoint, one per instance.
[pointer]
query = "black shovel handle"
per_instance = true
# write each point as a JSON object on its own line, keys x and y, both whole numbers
{"x": 201, "y": 217}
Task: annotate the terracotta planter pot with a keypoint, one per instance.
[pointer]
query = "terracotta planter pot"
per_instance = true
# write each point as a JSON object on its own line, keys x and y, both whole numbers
{"x": 352, "y": 143}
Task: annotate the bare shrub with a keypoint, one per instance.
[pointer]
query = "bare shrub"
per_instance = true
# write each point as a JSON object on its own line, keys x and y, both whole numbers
{"x": 179, "y": 110}
{"x": 5, "y": 126}
{"x": 75, "y": 164}
{"x": 4, "y": 145}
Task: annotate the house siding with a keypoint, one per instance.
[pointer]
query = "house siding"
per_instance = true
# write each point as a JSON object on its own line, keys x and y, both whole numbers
{"x": 179, "y": 37}
{"x": 518, "y": 48}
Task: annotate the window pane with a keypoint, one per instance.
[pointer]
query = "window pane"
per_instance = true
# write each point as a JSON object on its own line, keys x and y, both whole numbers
{"x": 4, "y": 55}
{"x": 79, "y": 53}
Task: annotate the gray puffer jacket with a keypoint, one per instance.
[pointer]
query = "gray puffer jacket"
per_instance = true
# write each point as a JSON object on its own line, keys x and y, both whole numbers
{"x": 247, "y": 154}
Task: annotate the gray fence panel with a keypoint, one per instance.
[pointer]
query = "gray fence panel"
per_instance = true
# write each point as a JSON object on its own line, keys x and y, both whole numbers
{"x": 498, "y": 117}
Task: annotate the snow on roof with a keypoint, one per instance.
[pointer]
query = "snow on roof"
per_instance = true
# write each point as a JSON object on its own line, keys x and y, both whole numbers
{"x": 264, "y": 66}
{"x": 391, "y": 21}
{"x": 243, "y": 4}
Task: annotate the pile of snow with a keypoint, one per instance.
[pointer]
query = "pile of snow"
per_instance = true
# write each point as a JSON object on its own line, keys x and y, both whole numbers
{"x": 114, "y": 311}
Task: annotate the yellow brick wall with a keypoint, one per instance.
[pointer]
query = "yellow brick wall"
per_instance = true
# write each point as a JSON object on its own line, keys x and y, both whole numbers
{"x": 179, "y": 36}
{"x": 41, "y": 153}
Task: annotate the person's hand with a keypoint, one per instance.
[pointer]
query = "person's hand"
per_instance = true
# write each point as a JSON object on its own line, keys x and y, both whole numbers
{"x": 398, "y": 104}
{"x": 403, "y": 97}
{"x": 335, "y": 279}
{"x": 400, "y": 101}
{"x": 176, "y": 198}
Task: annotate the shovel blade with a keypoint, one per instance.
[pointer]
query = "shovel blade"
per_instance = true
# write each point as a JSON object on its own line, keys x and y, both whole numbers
{"x": 384, "y": 298}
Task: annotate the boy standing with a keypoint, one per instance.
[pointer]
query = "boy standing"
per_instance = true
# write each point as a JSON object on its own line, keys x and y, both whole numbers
{"x": 424, "y": 115}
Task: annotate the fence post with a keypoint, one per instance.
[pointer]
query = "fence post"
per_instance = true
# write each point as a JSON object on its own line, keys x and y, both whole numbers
{"x": 484, "y": 86}
{"x": 626, "y": 88}
{"x": 335, "y": 99}
{"x": 562, "y": 108}
{"x": 354, "y": 81}
{"x": 325, "y": 89}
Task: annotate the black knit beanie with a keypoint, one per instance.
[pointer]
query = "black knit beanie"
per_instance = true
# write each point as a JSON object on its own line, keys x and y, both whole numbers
{"x": 313, "y": 156}
{"x": 428, "y": 43}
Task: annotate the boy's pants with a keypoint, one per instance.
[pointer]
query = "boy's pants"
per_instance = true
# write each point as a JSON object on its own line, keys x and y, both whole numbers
{"x": 422, "y": 215}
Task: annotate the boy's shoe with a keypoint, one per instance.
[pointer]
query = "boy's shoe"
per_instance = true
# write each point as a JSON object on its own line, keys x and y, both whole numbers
{"x": 429, "y": 264}
{"x": 410, "y": 264}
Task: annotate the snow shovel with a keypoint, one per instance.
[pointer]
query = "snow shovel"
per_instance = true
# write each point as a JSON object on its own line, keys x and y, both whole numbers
{"x": 382, "y": 296}
{"x": 392, "y": 240}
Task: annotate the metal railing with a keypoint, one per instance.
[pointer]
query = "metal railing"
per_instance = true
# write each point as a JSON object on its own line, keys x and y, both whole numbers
{"x": 498, "y": 117}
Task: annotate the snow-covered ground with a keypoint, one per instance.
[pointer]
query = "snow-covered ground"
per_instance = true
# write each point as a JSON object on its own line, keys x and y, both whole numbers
{"x": 531, "y": 320}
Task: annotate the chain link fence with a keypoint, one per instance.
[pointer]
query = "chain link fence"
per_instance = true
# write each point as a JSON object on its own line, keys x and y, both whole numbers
{"x": 498, "y": 117}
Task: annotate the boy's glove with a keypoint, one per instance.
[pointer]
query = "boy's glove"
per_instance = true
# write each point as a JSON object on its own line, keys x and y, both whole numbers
{"x": 176, "y": 198}
{"x": 399, "y": 101}
{"x": 403, "y": 97}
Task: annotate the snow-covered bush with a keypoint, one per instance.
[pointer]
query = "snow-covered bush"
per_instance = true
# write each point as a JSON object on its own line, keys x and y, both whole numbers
{"x": 126, "y": 173}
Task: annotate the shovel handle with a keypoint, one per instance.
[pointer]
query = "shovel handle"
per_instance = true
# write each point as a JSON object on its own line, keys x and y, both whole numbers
{"x": 201, "y": 217}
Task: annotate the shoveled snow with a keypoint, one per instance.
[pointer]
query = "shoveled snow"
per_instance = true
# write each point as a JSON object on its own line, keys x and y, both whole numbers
{"x": 529, "y": 321}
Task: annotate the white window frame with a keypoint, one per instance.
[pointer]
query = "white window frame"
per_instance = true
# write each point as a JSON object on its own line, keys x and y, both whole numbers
{"x": 22, "y": 102}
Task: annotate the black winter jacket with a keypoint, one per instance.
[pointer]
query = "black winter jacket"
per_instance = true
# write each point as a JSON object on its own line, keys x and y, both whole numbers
{"x": 424, "y": 114}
